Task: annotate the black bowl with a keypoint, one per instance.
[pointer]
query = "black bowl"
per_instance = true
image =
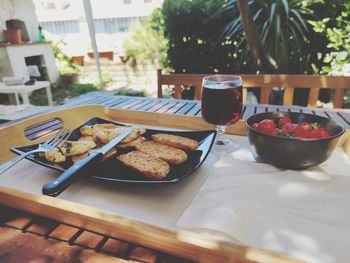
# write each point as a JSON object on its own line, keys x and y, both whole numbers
{"x": 293, "y": 153}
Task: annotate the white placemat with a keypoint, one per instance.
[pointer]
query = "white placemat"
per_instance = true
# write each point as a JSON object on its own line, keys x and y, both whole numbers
{"x": 301, "y": 213}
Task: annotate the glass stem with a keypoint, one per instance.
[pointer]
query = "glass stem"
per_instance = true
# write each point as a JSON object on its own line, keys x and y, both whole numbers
{"x": 220, "y": 137}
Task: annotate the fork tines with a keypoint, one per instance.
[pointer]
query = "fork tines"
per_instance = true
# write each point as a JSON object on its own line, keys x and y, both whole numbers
{"x": 60, "y": 138}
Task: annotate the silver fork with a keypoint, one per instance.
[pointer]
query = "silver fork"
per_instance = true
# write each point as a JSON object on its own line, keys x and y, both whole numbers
{"x": 57, "y": 141}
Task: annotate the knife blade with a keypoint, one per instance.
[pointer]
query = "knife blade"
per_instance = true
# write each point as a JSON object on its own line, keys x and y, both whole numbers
{"x": 57, "y": 186}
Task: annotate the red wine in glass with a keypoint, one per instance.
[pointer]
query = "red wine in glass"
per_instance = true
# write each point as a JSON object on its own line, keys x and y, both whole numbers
{"x": 222, "y": 105}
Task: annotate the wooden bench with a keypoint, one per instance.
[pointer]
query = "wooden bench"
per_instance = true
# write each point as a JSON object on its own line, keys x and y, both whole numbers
{"x": 265, "y": 83}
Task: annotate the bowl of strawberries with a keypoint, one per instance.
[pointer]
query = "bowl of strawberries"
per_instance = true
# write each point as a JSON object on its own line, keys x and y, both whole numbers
{"x": 292, "y": 140}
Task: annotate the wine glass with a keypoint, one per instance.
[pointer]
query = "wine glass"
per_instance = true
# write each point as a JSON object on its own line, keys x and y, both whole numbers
{"x": 222, "y": 106}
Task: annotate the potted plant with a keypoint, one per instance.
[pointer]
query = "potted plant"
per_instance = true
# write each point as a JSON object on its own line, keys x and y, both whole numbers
{"x": 12, "y": 35}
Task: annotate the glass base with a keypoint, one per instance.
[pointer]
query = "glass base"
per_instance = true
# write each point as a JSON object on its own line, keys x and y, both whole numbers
{"x": 225, "y": 145}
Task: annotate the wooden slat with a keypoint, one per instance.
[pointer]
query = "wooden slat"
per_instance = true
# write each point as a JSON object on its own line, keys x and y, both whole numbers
{"x": 64, "y": 232}
{"x": 144, "y": 255}
{"x": 301, "y": 81}
{"x": 108, "y": 101}
{"x": 345, "y": 116}
{"x": 19, "y": 220}
{"x": 336, "y": 117}
{"x": 288, "y": 96}
{"x": 186, "y": 108}
{"x": 42, "y": 226}
{"x": 177, "y": 107}
{"x": 131, "y": 104}
{"x": 313, "y": 97}
{"x": 140, "y": 104}
{"x": 260, "y": 109}
{"x": 338, "y": 98}
{"x": 124, "y": 102}
{"x": 148, "y": 105}
{"x": 198, "y": 92}
{"x": 115, "y": 247}
{"x": 194, "y": 110}
{"x": 177, "y": 91}
{"x": 6, "y": 213}
{"x": 308, "y": 111}
{"x": 16, "y": 247}
{"x": 249, "y": 111}
{"x": 282, "y": 109}
{"x": 167, "y": 107}
{"x": 157, "y": 106}
{"x": 264, "y": 95}
{"x": 320, "y": 113}
{"x": 115, "y": 102}
{"x": 88, "y": 239}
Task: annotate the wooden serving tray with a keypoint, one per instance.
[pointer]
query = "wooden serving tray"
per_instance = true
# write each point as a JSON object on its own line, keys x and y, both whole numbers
{"x": 181, "y": 243}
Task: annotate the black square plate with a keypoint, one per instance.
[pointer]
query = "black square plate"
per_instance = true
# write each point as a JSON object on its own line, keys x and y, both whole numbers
{"x": 113, "y": 171}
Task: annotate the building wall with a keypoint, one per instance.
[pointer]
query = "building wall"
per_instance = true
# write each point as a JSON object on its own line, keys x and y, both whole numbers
{"x": 25, "y": 11}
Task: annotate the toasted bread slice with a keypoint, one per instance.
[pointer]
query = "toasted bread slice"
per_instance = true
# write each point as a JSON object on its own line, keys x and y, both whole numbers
{"x": 136, "y": 132}
{"x": 106, "y": 135}
{"x": 131, "y": 144}
{"x": 89, "y": 130}
{"x": 151, "y": 167}
{"x": 175, "y": 141}
{"x": 164, "y": 152}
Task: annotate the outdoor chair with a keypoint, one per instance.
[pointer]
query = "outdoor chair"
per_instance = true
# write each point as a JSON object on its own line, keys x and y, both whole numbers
{"x": 289, "y": 83}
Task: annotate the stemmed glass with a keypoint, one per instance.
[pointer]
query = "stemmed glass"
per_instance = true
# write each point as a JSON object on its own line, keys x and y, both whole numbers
{"x": 222, "y": 106}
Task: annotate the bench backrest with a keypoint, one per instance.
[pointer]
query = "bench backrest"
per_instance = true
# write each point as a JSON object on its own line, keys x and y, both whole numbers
{"x": 265, "y": 83}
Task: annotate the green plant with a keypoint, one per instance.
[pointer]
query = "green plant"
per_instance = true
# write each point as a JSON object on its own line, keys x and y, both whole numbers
{"x": 284, "y": 31}
{"x": 193, "y": 45}
{"x": 146, "y": 41}
{"x": 333, "y": 24}
{"x": 65, "y": 63}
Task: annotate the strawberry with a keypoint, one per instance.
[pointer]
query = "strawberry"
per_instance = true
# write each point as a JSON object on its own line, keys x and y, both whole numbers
{"x": 289, "y": 128}
{"x": 303, "y": 130}
{"x": 324, "y": 134}
{"x": 255, "y": 125}
{"x": 316, "y": 133}
{"x": 266, "y": 126}
{"x": 283, "y": 121}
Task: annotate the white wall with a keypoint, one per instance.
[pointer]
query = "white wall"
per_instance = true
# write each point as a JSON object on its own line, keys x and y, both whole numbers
{"x": 24, "y": 10}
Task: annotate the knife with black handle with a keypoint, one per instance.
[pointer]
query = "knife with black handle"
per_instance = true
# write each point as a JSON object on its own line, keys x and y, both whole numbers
{"x": 57, "y": 186}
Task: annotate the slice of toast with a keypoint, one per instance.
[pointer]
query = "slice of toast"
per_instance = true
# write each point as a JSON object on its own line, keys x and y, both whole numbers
{"x": 175, "y": 141}
{"x": 89, "y": 130}
{"x": 151, "y": 167}
{"x": 131, "y": 144}
{"x": 164, "y": 152}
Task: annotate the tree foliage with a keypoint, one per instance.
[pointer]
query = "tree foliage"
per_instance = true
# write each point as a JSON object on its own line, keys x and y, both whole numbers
{"x": 192, "y": 32}
{"x": 146, "y": 41}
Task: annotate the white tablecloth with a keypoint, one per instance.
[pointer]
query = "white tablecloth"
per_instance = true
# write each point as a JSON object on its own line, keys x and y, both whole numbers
{"x": 301, "y": 213}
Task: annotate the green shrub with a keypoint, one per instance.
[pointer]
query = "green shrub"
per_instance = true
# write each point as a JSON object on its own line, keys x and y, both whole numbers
{"x": 65, "y": 63}
{"x": 146, "y": 41}
{"x": 192, "y": 31}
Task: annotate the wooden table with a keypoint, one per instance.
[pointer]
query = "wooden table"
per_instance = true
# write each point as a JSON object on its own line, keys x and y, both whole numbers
{"x": 25, "y": 236}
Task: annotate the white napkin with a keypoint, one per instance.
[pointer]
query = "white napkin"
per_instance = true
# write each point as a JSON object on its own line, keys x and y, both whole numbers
{"x": 301, "y": 213}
